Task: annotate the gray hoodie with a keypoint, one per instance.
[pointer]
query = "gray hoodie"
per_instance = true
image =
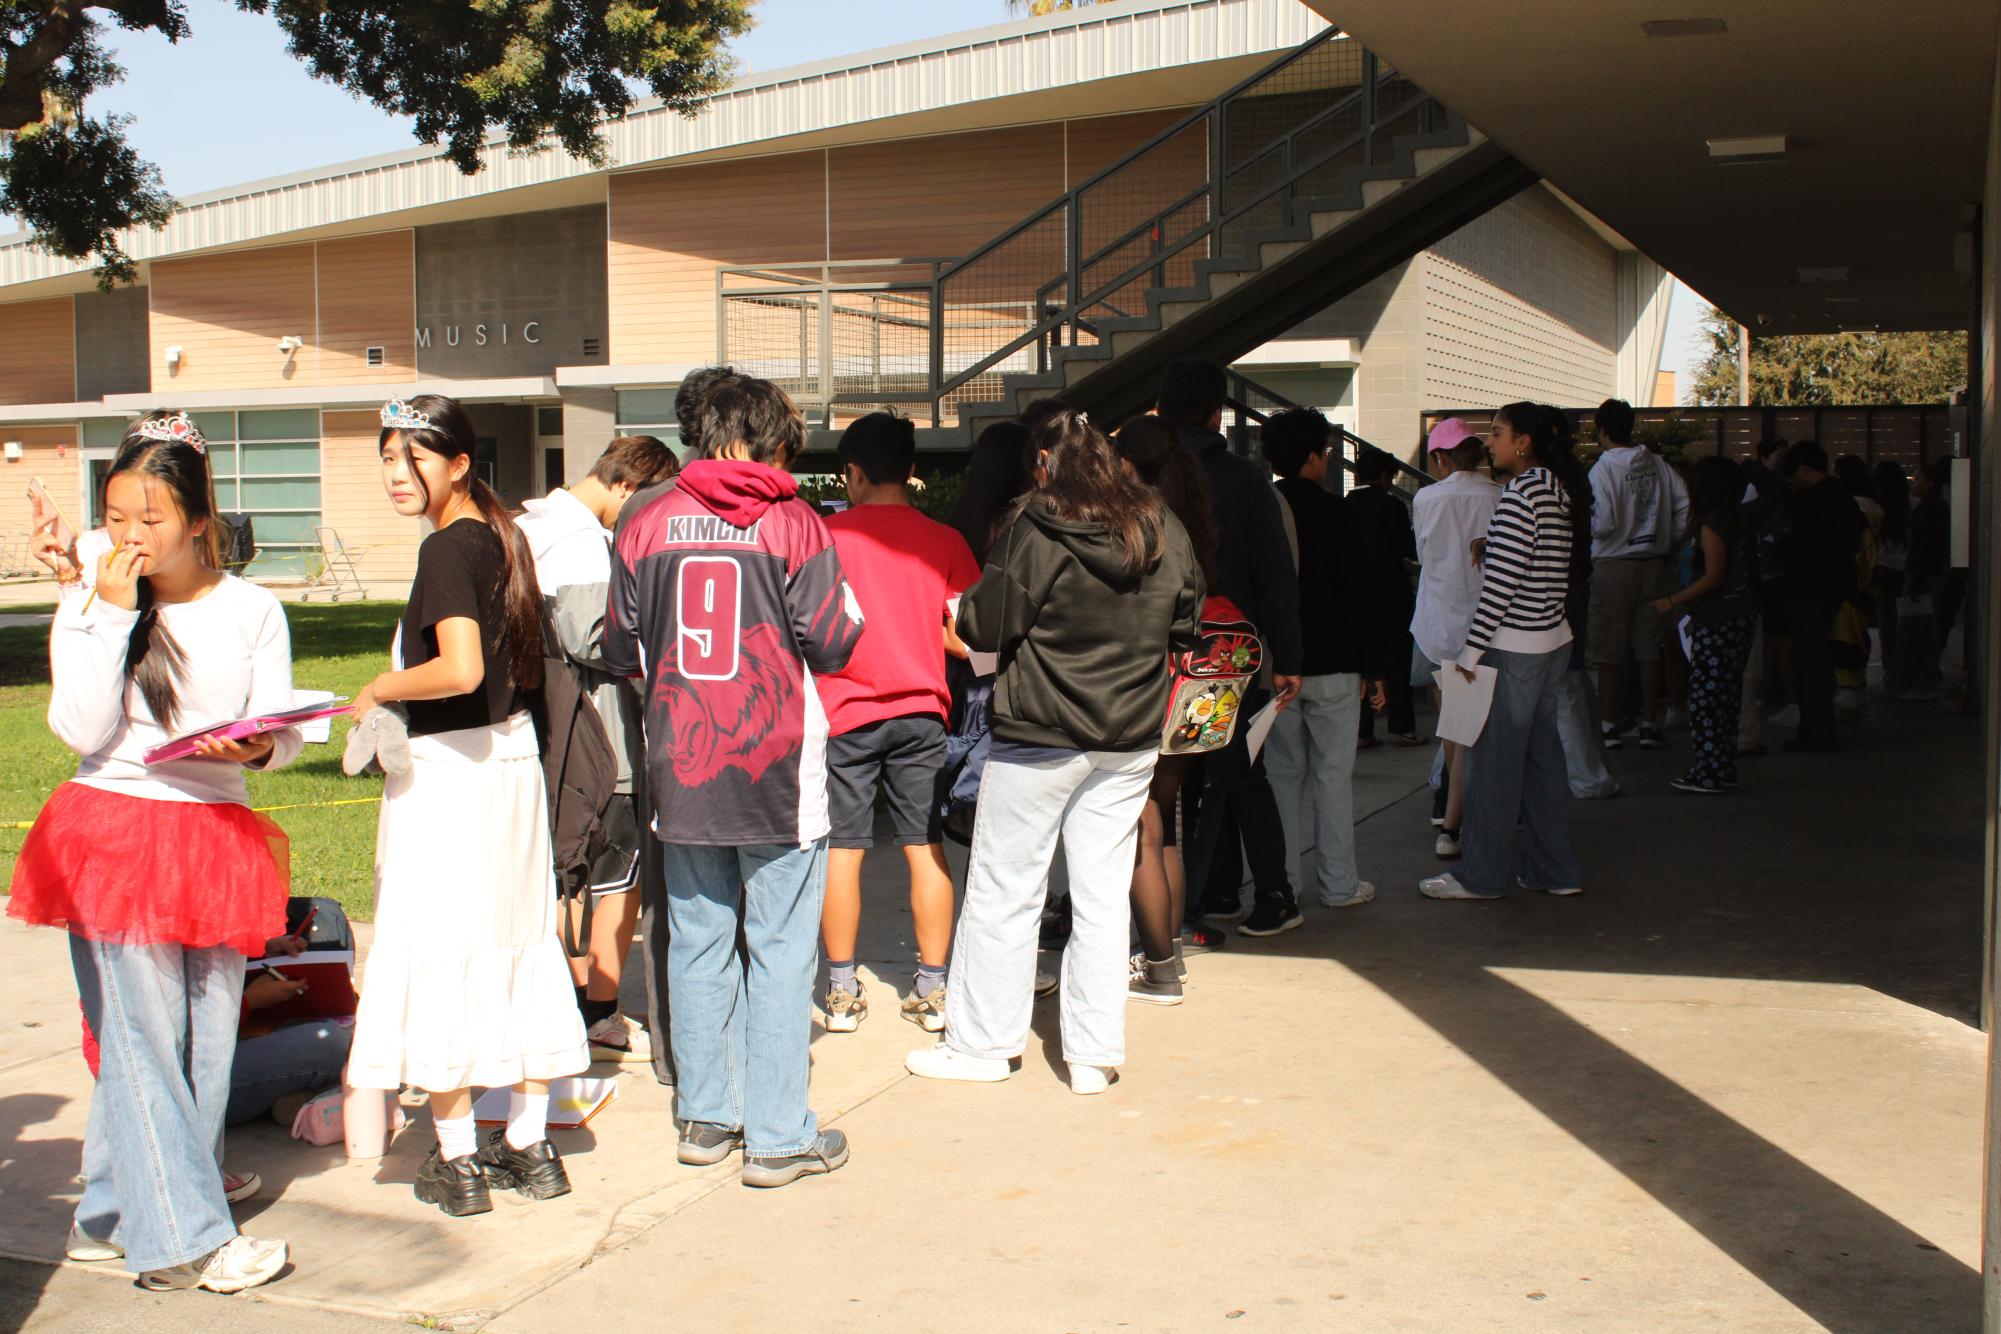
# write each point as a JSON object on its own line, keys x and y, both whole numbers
{"x": 1639, "y": 506}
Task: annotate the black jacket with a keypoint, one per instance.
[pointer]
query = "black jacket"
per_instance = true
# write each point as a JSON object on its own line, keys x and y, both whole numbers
{"x": 1339, "y": 619}
{"x": 1083, "y": 645}
{"x": 1824, "y": 528}
{"x": 1254, "y": 561}
{"x": 1389, "y": 550}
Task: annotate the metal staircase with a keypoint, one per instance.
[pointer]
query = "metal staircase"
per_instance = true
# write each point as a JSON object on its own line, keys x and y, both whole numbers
{"x": 1223, "y": 231}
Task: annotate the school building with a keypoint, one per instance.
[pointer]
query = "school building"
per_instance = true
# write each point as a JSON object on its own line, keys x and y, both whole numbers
{"x": 805, "y": 224}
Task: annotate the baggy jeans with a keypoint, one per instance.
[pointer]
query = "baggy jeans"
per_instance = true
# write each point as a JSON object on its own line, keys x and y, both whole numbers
{"x": 1312, "y": 746}
{"x": 165, "y": 1018}
{"x": 741, "y": 1026}
{"x": 1516, "y": 770}
{"x": 1092, "y": 801}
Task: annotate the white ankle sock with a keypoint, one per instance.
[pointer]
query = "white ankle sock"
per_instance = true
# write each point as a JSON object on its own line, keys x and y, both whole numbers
{"x": 527, "y": 1119}
{"x": 457, "y": 1136}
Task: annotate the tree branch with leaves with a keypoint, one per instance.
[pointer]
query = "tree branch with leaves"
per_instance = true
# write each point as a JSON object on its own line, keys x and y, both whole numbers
{"x": 1835, "y": 369}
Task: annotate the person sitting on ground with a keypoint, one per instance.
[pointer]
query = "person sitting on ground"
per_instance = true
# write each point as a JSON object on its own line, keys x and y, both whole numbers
{"x": 1639, "y": 507}
{"x": 1447, "y": 518}
{"x": 1823, "y": 532}
{"x": 1311, "y": 747}
{"x": 1389, "y": 548}
{"x": 570, "y": 536}
{"x": 1720, "y": 605}
{"x": 886, "y": 711}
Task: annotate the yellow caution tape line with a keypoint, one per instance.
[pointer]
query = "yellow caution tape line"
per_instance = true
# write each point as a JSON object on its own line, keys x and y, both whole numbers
{"x": 261, "y": 810}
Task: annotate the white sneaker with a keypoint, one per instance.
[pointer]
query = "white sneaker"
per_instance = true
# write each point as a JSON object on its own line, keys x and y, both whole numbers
{"x": 236, "y": 1189}
{"x": 1789, "y": 716}
{"x": 1447, "y": 886}
{"x": 239, "y": 1263}
{"x": 1447, "y": 845}
{"x": 86, "y": 1249}
{"x": 1364, "y": 893}
{"x": 619, "y": 1037}
{"x": 943, "y": 1062}
{"x": 1089, "y": 1079}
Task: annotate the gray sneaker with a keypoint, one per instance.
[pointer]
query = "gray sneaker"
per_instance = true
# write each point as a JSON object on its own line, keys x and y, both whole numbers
{"x": 828, "y": 1154}
{"x": 846, "y": 1009}
{"x": 704, "y": 1145}
{"x": 1153, "y": 983}
{"x": 239, "y": 1263}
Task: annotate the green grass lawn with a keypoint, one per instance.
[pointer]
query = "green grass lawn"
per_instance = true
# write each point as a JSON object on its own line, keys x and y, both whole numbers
{"x": 337, "y": 648}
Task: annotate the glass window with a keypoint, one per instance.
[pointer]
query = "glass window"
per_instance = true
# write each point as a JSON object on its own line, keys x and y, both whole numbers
{"x": 217, "y": 426}
{"x": 548, "y": 421}
{"x": 225, "y": 495}
{"x": 645, "y": 405}
{"x": 267, "y": 465}
{"x": 300, "y": 493}
{"x": 290, "y": 424}
{"x": 287, "y": 458}
{"x": 104, "y": 432}
{"x": 280, "y": 529}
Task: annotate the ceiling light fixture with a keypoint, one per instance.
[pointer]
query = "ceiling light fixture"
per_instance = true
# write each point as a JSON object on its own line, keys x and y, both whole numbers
{"x": 1747, "y": 149}
{"x": 1834, "y": 273}
{"x": 1684, "y": 27}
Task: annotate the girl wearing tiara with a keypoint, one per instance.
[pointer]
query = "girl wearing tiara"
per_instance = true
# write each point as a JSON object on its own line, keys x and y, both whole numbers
{"x": 161, "y": 874}
{"x": 467, "y": 986}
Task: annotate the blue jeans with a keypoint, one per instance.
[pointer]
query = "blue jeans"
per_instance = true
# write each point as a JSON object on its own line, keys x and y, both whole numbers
{"x": 298, "y": 1058}
{"x": 1516, "y": 771}
{"x": 165, "y": 1019}
{"x": 1312, "y": 747}
{"x": 741, "y": 1034}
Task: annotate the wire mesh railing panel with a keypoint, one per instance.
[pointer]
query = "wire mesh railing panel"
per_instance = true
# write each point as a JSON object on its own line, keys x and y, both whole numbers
{"x": 776, "y": 338}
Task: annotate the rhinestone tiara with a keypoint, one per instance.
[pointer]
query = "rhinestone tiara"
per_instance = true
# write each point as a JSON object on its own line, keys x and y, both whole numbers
{"x": 398, "y": 415}
{"x": 173, "y": 429}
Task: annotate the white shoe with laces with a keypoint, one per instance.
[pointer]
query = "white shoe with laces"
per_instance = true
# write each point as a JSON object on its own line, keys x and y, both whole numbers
{"x": 1089, "y": 1079}
{"x": 619, "y": 1037}
{"x": 943, "y": 1062}
{"x": 239, "y": 1263}
{"x": 236, "y": 1189}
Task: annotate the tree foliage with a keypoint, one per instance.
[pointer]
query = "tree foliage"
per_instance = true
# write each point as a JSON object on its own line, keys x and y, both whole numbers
{"x": 461, "y": 69}
{"x": 1830, "y": 369}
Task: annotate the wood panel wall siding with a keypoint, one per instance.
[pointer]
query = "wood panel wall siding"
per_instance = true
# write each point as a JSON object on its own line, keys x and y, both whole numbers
{"x": 367, "y": 299}
{"x": 942, "y": 196}
{"x": 227, "y": 312}
{"x": 38, "y": 352}
{"x": 353, "y": 504}
{"x": 62, "y": 475}
{"x": 670, "y": 229}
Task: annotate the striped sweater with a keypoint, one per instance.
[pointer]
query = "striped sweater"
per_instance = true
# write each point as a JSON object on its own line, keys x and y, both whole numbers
{"x": 1526, "y": 571}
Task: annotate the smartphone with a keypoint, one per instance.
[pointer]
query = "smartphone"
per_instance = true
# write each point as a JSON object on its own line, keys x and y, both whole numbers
{"x": 44, "y": 513}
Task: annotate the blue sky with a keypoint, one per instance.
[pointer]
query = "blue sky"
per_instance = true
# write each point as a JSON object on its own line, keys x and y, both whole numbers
{"x": 229, "y": 104}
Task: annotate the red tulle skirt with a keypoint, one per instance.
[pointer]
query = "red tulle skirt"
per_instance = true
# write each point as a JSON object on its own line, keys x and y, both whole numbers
{"x": 136, "y": 871}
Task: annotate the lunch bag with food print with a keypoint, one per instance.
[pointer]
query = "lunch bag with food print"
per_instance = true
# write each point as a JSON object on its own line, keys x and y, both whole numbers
{"x": 1210, "y": 682}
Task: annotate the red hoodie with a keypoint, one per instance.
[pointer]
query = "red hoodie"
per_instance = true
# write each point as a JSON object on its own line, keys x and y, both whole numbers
{"x": 726, "y": 593}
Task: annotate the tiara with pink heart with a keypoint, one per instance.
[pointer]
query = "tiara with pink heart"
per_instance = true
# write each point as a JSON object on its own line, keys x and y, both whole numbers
{"x": 398, "y": 415}
{"x": 173, "y": 429}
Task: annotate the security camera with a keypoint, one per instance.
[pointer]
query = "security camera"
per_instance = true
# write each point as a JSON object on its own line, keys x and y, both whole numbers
{"x": 1764, "y": 320}
{"x": 290, "y": 343}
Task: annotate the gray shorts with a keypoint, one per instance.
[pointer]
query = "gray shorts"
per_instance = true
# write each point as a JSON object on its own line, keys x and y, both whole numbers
{"x": 905, "y": 756}
{"x": 1622, "y": 609}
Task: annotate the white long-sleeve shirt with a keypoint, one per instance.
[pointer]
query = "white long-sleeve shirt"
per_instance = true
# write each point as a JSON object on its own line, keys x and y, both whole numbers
{"x": 238, "y": 653}
{"x": 1445, "y": 518}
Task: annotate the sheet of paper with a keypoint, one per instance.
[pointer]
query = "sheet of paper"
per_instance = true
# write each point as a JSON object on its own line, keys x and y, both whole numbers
{"x": 1463, "y": 704}
{"x": 1259, "y": 727}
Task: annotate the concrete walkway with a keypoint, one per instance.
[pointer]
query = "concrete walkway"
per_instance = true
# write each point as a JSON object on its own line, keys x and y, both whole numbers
{"x": 1736, "y": 1084}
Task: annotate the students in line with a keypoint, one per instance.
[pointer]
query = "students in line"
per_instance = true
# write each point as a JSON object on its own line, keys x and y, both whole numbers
{"x": 727, "y": 596}
{"x": 163, "y": 877}
{"x": 1389, "y": 549}
{"x": 1082, "y": 598}
{"x": 467, "y": 986}
{"x": 569, "y": 535}
{"x": 1151, "y": 450}
{"x": 1823, "y": 533}
{"x": 1344, "y": 661}
{"x": 1448, "y": 517}
{"x": 1720, "y": 607}
{"x": 1516, "y": 768}
{"x": 886, "y": 711}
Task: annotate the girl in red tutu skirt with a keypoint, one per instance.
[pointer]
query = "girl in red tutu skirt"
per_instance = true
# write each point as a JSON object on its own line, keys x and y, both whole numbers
{"x": 161, "y": 874}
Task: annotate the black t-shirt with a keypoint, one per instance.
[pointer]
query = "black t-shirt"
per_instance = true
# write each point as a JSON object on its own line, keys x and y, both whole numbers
{"x": 1733, "y": 597}
{"x": 461, "y": 571}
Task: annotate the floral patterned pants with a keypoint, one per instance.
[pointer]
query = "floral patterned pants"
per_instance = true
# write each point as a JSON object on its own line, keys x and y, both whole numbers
{"x": 1717, "y": 654}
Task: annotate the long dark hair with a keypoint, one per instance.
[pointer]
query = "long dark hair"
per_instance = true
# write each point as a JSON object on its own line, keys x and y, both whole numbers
{"x": 1715, "y": 490}
{"x": 1893, "y": 493}
{"x": 995, "y": 480}
{"x": 1088, "y": 484}
{"x": 1153, "y": 447}
{"x": 450, "y": 435}
{"x": 153, "y": 660}
{"x": 1554, "y": 447}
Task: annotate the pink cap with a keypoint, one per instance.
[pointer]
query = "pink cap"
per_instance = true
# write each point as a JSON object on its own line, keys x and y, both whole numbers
{"x": 1449, "y": 434}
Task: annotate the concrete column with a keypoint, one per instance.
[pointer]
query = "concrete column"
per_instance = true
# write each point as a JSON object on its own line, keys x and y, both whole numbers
{"x": 590, "y": 418}
{"x": 1645, "y": 291}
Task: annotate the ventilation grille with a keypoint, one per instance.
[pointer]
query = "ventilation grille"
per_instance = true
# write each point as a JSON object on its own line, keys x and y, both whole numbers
{"x": 592, "y": 346}
{"x": 377, "y": 357}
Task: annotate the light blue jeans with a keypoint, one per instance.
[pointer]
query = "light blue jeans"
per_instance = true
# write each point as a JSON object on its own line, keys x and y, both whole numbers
{"x": 1090, "y": 800}
{"x": 1312, "y": 746}
{"x": 1516, "y": 770}
{"x": 165, "y": 1019}
{"x": 298, "y": 1058}
{"x": 1583, "y": 744}
{"x": 741, "y": 1034}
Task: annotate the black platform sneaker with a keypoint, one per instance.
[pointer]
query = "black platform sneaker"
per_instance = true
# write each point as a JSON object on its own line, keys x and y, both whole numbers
{"x": 535, "y": 1172}
{"x": 455, "y": 1185}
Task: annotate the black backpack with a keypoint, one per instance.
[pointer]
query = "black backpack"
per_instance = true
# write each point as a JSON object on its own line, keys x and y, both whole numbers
{"x": 580, "y": 770}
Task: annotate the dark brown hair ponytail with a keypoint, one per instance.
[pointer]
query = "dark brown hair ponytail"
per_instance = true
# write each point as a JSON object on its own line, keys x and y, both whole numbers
{"x": 154, "y": 662}
{"x": 449, "y": 435}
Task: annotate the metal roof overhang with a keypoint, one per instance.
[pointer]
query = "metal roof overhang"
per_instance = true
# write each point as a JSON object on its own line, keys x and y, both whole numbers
{"x": 1885, "y": 111}
{"x": 1106, "y": 59}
